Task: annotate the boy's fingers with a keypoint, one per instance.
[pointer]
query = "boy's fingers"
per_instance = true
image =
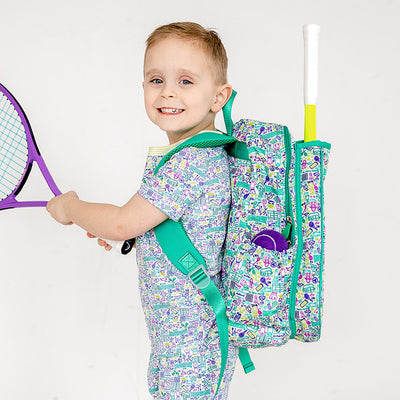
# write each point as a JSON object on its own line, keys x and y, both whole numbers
{"x": 104, "y": 244}
{"x": 100, "y": 242}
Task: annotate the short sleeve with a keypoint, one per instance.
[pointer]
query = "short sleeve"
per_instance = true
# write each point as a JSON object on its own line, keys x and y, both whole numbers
{"x": 179, "y": 182}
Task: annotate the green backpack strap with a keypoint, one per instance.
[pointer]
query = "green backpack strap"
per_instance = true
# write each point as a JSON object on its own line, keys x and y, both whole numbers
{"x": 237, "y": 149}
{"x": 202, "y": 140}
{"x": 245, "y": 360}
{"x": 227, "y": 112}
{"x": 180, "y": 251}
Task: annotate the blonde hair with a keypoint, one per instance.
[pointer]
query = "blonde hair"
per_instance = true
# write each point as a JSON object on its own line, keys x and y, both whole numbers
{"x": 208, "y": 40}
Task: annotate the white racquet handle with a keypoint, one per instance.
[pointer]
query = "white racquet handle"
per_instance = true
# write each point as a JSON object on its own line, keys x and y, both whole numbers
{"x": 311, "y": 36}
{"x": 123, "y": 247}
{"x": 116, "y": 245}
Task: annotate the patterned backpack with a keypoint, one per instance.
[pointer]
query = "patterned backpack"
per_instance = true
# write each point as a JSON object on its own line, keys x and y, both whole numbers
{"x": 270, "y": 296}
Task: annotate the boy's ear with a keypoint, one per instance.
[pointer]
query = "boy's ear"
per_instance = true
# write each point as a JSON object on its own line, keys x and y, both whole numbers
{"x": 223, "y": 94}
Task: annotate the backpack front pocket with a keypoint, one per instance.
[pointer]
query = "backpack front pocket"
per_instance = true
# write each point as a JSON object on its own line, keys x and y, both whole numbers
{"x": 257, "y": 296}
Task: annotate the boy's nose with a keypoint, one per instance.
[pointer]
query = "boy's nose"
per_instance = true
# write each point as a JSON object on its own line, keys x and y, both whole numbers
{"x": 168, "y": 92}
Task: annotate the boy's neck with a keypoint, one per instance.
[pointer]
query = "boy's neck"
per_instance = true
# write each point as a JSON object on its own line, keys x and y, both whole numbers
{"x": 176, "y": 137}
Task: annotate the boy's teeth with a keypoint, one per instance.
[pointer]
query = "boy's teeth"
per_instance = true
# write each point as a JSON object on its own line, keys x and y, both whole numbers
{"x": 171, "y": 110}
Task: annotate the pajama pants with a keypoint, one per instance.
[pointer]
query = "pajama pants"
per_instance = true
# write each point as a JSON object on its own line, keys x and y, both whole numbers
{"x": 193, "y": 374}
{"x": 185, "y": 355}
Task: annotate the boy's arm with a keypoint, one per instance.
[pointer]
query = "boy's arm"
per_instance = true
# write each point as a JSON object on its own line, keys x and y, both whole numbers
{"x": 105, "y": 220}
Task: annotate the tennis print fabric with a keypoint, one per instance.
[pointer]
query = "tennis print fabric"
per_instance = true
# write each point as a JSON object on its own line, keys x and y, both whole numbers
{"x": 307, "y": 187}
{"x": 273, "y": 296}
{"x": 185, "y": 356}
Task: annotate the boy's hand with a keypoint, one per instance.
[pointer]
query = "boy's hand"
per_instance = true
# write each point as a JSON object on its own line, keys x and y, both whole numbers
{"x": 100, "y": 242}
{"x": 57, "y": 207}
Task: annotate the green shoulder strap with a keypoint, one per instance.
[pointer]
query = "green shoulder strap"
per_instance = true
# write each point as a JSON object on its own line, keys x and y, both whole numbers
{"x": 180, "y": 250}
{"x": 202, "y": 140}
{"x": 227, "y": 112}
{"x": 237, "y": 149}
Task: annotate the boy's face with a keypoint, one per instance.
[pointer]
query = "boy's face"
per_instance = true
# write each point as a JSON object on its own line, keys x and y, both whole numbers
{"x": 180, "y": 91}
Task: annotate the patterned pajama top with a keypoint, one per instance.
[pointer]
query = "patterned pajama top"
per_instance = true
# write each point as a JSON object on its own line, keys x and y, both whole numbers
{"x": 193, "y": 186}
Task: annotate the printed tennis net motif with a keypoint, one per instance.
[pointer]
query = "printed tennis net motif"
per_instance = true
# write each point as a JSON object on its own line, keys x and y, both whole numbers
{"x": 13, "y": 148}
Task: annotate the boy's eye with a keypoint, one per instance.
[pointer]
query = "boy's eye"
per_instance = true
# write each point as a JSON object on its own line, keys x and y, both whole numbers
{"x": 186, "y": 82}
{"x": 156, "y": 80}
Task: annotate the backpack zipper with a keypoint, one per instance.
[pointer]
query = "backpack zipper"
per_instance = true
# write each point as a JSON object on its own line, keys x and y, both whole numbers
{"x": 288, "y": 231}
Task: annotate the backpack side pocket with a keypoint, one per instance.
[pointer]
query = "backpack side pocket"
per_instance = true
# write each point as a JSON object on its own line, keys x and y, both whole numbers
{"x": 306, "y": 300}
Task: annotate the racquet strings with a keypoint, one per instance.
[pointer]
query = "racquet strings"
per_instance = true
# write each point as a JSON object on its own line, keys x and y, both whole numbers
{"x": 13, "y": 147}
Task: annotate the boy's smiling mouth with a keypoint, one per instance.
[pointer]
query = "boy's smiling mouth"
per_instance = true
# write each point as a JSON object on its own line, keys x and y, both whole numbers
{"x": 169, "y": 110}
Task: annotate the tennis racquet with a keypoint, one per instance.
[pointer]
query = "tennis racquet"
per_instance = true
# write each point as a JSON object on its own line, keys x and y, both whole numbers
{"x": 311, "y": 36}
{"x": 18, "y": 152}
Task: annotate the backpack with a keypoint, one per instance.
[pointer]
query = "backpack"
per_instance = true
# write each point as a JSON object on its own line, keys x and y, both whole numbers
{"x": 270, "y": 295}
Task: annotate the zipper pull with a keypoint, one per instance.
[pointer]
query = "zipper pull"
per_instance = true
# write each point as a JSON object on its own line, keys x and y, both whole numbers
{"x": 288, "y": 229}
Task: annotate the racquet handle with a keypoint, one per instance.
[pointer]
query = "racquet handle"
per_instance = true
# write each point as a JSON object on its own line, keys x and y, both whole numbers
{"x": 123, "y": 247}
{"x": 311, "y": 37}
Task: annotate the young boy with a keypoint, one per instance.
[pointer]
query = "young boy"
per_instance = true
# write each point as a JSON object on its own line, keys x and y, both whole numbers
{"x": 185, "y": 85}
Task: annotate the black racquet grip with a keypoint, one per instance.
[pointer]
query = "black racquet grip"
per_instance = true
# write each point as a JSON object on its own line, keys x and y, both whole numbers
{"x": 127, "y": 246}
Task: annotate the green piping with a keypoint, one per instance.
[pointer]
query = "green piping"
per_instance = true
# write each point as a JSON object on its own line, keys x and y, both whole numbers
{"x": 299, "y": 223}
{"x": 314, "y": 143}
{"x": 322, "y": 241}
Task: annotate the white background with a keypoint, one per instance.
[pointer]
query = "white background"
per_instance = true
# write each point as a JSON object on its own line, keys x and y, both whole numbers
{"x": 71, "y": 324}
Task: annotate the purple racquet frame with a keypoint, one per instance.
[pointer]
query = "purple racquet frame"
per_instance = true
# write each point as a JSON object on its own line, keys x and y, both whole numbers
{"x": 33, "y": 155}
{"x": 18, "y": 151}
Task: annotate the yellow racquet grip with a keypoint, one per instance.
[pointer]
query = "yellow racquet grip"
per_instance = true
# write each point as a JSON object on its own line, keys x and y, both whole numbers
{"x": 310, "y": 123}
